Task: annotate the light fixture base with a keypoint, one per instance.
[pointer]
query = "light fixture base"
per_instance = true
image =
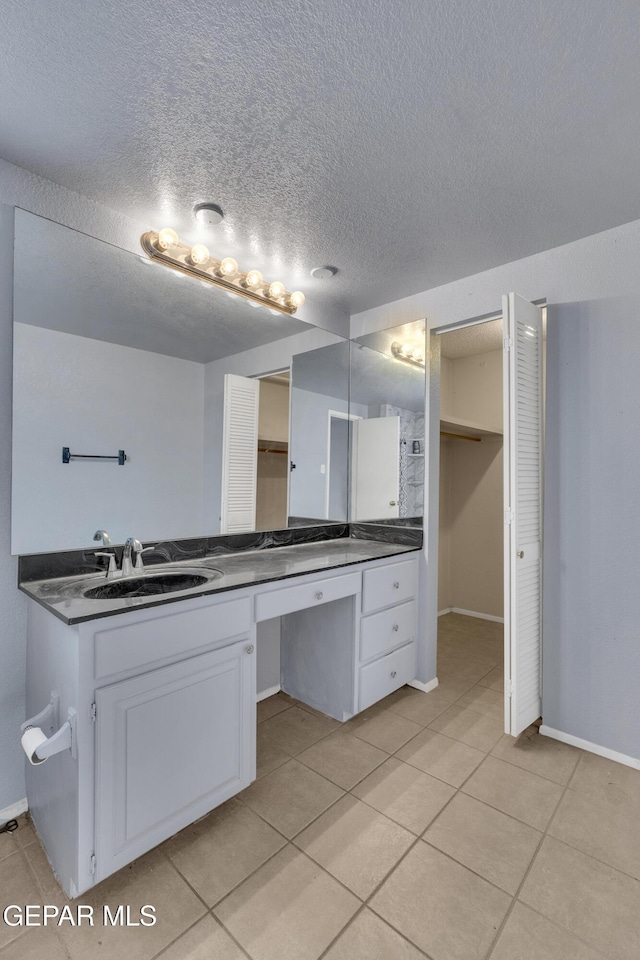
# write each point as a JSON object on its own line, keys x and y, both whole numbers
{"x": 324, "y": 273}
{"x": 209, "y": 214}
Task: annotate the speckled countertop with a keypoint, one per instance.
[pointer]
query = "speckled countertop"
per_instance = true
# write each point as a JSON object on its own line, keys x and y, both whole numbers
{"x": 63, "y": 596}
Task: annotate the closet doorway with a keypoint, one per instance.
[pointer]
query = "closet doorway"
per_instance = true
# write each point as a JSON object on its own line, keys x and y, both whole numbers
{"x": 272, "y": 480}
{"x": 490, "y": 511}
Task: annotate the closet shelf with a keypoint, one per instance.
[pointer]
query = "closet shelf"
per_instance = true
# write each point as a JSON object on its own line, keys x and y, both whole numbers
{"x": 467, "y": 429}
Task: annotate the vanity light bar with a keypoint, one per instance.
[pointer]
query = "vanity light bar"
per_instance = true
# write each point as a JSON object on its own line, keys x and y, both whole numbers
{"x": 166, "y": 248}
{"x": 408, "y": 353}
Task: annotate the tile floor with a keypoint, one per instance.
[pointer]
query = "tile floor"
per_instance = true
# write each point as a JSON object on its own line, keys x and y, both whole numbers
{"x": 414, "y": 830}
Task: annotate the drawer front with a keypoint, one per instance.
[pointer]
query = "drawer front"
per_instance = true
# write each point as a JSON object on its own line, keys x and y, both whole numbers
{"x": 277, "y": 603}
{"x": 390, "y": 584}
{"x": 383, "y": 676}
{"x": 381, "y": 632}
{"x": 141, "y": 644}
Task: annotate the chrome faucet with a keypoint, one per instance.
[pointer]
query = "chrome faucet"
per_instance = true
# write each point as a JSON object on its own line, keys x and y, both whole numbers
{"x": 102, "y": 535}
{"x": 129, "y": 565}
{"x": 131, "y": 546}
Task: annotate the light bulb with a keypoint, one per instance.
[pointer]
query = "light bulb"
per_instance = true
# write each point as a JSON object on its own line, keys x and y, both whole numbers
{"x": 296, "y": 299}
{"x": 274, "y": 312}
{"x": 417, "y": 355}
{"x": 228, "y": 267}
{"x": 167, "y": 238}
{"x": 407, "y": 350}
{"x": 199, "y": 254}
{"x": 276, "y": 289}
{"x": 253, "y": 279}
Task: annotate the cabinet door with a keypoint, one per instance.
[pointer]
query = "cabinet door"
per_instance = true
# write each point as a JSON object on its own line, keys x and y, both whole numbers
{"x": 171, "y": 744}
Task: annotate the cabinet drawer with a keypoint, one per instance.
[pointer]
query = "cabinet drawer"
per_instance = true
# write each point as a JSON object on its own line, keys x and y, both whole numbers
{"x": 381, "y": 632}
{"x": 124, "y": 647}
{"x": 383, "y": 676}
{"x": 277, "y": 603}
{"x": 392, "y": 583}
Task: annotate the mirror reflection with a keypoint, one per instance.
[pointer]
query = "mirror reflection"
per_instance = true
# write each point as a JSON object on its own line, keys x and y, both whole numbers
{"x": 387, "y": 406}
{"x": 113, "y": 352}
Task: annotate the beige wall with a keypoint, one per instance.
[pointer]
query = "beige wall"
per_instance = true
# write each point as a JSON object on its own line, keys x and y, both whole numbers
{"x": 446, "y": 388}
{"x": 273, "y": 416}
{"x": 470, "y": 574}
{"x": 476, "y": 389}
{"x": 476, "y": 527}
{"x": 444, "y": 531}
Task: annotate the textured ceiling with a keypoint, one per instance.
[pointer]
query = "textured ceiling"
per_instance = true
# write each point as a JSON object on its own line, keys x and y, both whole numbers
{"x": 66, "y": 281}
{"x": 408, "y": 143}
{"x": 477, "y": 338}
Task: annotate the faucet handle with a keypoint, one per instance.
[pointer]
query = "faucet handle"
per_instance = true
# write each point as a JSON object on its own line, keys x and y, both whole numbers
{"x": 139, "y": 564}
{"x": 112, "y": 561}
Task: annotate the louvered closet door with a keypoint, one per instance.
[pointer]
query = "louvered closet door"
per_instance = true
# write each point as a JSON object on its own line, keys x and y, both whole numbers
{"x": 239, "y": 454}
{"x": 523, "y": 511}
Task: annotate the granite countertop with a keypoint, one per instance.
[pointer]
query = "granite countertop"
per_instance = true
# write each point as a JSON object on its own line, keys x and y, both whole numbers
{"x": 62, "y": 596}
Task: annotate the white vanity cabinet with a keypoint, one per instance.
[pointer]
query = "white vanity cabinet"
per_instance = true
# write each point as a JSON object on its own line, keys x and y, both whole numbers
{"x": 165, "y": 700}
{"x": 175, "y": 740}
{"x": 171, "y": 744}
{"x": 388, "y": 647}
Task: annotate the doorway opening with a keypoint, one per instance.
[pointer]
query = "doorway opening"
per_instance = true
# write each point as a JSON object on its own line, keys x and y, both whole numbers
{"x": 470, "y": 652}
{"x": 490, "y": 512}
{"x": 272, "y": 480}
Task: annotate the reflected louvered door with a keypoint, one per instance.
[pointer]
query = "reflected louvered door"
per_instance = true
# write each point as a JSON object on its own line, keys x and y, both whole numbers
{"x": 523, "y": 429}
{"x": 239, "y": 454}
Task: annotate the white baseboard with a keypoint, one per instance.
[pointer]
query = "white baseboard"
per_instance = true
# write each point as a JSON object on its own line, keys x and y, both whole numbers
{"x": 425, "y": 687}
{"x": 269, "y": 692}
{"x": 474, "y": 613}
{"x": 590, "y": 747}
{"x": 15, "y": 810}
{"x": 441, "y": 613}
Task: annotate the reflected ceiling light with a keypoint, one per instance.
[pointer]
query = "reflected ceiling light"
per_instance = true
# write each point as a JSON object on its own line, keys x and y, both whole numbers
{"x": 165, "y": 247}
{"x": 408, "y": 352}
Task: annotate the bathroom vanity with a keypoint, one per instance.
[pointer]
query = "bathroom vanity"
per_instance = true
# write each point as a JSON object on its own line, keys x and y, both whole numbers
{"x": 218, "y": 417}
{"x": 160, "y": 693}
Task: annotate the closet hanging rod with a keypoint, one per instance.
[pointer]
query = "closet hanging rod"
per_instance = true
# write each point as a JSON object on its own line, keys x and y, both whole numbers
{"x": 459, "y": 436}
{"x": 269, "y": 450}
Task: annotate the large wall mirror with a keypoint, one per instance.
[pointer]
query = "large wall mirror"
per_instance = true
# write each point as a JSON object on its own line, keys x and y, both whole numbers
{"x": 113, "y": 352}
{"x": 387, "y": 407}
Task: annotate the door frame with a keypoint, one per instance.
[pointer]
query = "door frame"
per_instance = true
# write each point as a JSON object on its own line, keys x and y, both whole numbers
{"x": 432, "y": 473}
{"x": 337, "y": 415}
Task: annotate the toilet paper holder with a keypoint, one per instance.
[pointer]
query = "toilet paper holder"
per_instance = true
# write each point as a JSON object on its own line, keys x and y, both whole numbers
{"x": 64, "y": 737}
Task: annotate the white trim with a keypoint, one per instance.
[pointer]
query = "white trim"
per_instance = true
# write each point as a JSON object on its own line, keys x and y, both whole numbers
{"x": 336, "y": 415}
{"x": 425, "y": 687}
{"x": 441, "y": 613}
{"x": 269, "y": 692}
{"x": 590, "y": 747}
{"x": 480, "y": 616}
{"x": 15, "y": 810}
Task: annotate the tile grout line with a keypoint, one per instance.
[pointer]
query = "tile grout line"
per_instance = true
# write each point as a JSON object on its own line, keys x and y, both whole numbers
{"x": 41, "y": 891}
{"x": 291, "y": 841}
{"x": 530, "y": 867}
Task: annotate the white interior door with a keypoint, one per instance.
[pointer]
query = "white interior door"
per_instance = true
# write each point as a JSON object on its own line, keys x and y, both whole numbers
{"x": 523, "y": 431}
{"x": 376, "y": 468}
{"x": 239, "y": 454}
